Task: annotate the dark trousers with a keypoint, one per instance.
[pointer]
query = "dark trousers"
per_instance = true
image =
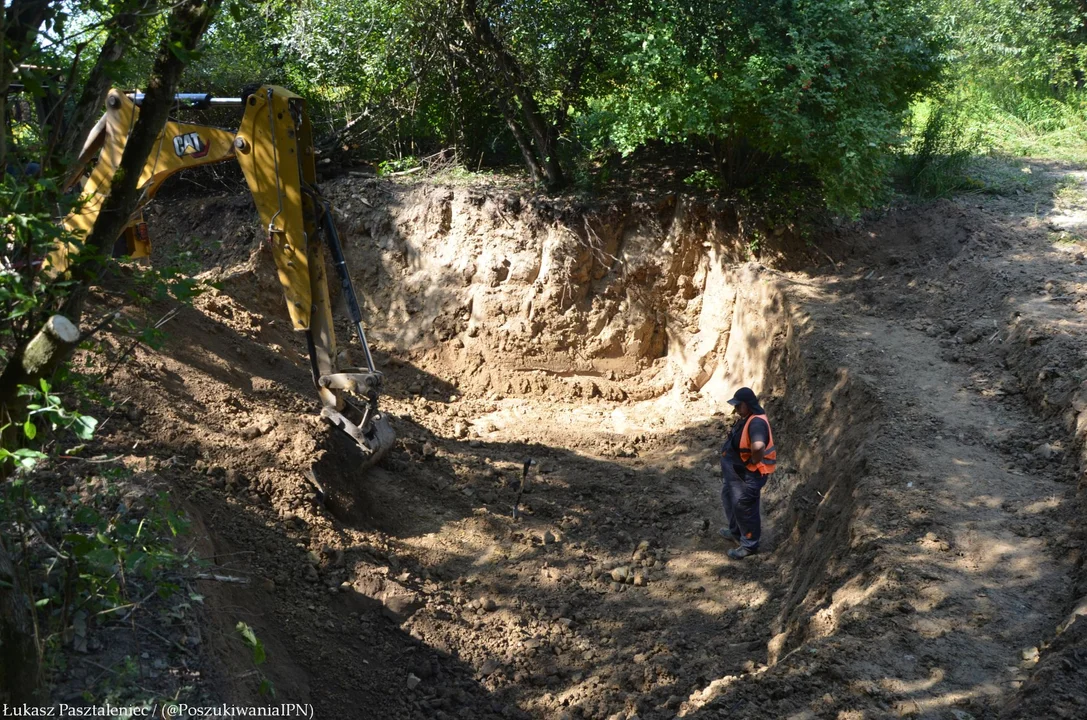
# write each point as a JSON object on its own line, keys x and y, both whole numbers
{"x": 740, "y": 497}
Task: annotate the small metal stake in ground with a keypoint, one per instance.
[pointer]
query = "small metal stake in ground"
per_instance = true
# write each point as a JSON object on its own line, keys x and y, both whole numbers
{"x": 526, "y": 486}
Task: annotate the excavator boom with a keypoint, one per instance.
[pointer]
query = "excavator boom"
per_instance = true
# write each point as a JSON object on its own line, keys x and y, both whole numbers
{"x": 274, "y": 147}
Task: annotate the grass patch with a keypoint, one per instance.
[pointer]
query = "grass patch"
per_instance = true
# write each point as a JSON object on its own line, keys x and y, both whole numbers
{"x": 1069, "y": 193}
{"x": 1057, "y": 133}
{"x": 1000, "y": 174}
{"x": 972, "y": 141}
{"x": 1067, "y": 239}
{"x": 940, "y": 152}
{"x": 1022, "y": 125}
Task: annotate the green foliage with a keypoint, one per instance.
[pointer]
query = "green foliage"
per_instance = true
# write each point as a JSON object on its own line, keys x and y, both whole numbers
{"x": 28, "y": 210}
{"x": 151, "y": 284}
{"x": 86, "y": 552}
{"x": 259, "y": 656}
{"x": 250, "y": 637}
{"x": 808, "y": 93}
{"x": 1016, "y": 74}
{"x": 46, "y": 408}
{"x": 803, "y": 97}
{"x": 86, "y": 26}
{"x": 22, "y": 458}
{"x": 399, "y": 164}
{"x": 704, "y": 180}
{"x": 820, "y": 89}
{"x": 90, "y": 545}
{"x": 1011, "y": 48}
{"x": 83, "y": 552}
{"x": 242, "y": 48}
{"x": 369, "y": 67}
{"x": 941, "y": 151}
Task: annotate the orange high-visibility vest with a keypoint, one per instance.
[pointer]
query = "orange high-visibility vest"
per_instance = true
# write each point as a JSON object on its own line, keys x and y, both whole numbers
{"x": 769, "y": 454}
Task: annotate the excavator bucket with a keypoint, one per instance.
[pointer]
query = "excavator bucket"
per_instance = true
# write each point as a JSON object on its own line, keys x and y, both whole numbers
{"x": 378, "y": 441}
{"x": 374, "y": 441}
{"x": 368, "y": 426}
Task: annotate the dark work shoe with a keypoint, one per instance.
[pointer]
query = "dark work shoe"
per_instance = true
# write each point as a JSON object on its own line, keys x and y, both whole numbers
{"x": 740, "y": 553}
{"x": 728, "y": 535}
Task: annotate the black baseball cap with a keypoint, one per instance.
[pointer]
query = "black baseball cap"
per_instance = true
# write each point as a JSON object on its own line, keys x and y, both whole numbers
{"x": 747, "y": 395}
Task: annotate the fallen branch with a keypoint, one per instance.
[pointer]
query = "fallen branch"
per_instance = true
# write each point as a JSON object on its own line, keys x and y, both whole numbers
{"x": 222, "y": 578}
{"x": 409, "y": 171}
{"x": 110, "y": 317}
{"x": 826, "y": 255}
{"x": 97, "y": 460}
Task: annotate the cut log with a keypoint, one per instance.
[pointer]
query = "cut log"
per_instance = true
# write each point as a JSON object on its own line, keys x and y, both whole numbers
{"x": 49, "y": 347}
{"x": 38, "y": 359}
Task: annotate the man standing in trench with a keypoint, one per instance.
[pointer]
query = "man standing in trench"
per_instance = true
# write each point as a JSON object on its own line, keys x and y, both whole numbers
{"x": 747, "y": 459}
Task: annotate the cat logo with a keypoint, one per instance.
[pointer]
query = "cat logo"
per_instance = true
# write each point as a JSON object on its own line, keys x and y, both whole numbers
{"x": 190, "y": 143}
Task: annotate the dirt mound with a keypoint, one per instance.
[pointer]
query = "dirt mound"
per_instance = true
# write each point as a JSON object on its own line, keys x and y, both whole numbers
{"x": 918, "y": 538}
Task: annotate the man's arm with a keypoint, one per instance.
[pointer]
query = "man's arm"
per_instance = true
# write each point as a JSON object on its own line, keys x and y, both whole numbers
{"x": 759, "y": 435}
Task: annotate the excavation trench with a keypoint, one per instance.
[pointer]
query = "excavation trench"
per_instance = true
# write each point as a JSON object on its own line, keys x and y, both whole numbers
{"x": 601, "y": 341}
{"x": 648, "y": 309}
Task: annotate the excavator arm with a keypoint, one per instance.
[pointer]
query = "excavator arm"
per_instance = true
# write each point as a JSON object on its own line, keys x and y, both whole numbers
{"x": 274, "y": 148}
{"x": 179, "y": 146}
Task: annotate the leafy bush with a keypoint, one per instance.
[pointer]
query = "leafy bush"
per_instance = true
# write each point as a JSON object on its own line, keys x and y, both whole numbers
{"x": 81, "y": 552}
{"x": 386, "y": 167}
{"x": 1011, "y": 49}
{"x": 820, "y": 89}
{"x": 1017, "y": 72}
{"x": 703, "y": 179}
{"x": 88, "y": 555}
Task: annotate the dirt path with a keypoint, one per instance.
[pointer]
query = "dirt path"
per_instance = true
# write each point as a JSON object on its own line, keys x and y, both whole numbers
{"x": 970, "y": 555}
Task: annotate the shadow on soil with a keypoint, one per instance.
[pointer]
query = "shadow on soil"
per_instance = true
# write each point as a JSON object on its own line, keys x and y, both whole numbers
{"x": 693, "y": 640}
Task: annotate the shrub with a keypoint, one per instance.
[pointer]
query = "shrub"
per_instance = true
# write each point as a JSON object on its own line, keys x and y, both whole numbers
{"x": 819, "y": 89}
{"x": 937, "y": 158}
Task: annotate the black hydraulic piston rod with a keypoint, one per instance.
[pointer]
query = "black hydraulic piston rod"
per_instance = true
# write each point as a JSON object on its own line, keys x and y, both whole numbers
{"x": 332, "y": 239}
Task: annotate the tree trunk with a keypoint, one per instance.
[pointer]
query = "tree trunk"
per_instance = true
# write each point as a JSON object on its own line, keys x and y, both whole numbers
{"x": 71, "y": 133}
{"x": 187, "y": 23}
{"x": 20, "y": 671}
{"x": 513, "y": 82}
{"x": 21, "y": 21}
{"x": 20, "y": 677}
{"x": 577, "y": 73}
{"x": 36, "y": 360}
{"x": 42, "y": 354}
{"x": 528, "y": 153}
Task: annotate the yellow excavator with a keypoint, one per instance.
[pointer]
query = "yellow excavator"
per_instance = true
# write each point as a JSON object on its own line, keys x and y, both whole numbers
{"x": 274, "y": 147}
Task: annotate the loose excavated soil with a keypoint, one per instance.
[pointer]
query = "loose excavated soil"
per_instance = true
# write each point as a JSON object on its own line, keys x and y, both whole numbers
{"x": 922, "y": 548}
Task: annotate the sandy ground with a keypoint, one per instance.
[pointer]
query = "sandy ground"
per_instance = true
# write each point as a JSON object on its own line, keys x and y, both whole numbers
{"x": 922, "y": 557}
